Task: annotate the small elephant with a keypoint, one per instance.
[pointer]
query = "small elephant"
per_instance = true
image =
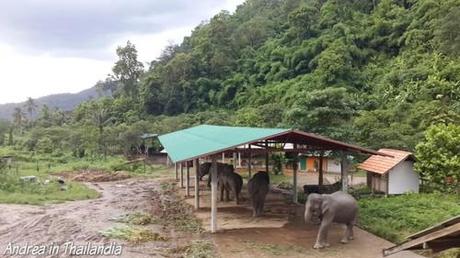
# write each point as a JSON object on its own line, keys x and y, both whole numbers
{"x": 227, "y": 180}
{"x": 338, "y": 207}
{"x": 258, "y": 187}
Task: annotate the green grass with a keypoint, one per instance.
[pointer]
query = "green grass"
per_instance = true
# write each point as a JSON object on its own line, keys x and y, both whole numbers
{"x": 200, "y": 249}
{"x": 12, "y": 190}
{"x": 394, "y": 218}
{"x": 133, "y": 234}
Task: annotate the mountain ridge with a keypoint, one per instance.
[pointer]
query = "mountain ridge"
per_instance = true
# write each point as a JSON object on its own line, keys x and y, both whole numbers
{"x": 63, "y": 101}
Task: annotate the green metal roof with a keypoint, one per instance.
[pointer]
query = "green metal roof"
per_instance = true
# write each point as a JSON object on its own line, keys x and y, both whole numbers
{"x": 204, "y": 140}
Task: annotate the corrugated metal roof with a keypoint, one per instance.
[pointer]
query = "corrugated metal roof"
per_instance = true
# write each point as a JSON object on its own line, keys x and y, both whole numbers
{"x": 204, "y": 140}
{"x": 382, "y": 164}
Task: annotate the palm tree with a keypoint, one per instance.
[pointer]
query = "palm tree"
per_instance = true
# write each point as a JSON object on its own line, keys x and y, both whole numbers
{"x": 30, "y": 107}
{"x": 101, "y": 117}
{"x": 18, "y": 117}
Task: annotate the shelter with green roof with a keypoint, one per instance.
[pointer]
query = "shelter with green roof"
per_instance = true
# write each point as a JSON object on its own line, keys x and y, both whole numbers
{"x": 210, "y": 141}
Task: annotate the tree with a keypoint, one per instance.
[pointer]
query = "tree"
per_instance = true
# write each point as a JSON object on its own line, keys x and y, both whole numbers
{"x": 101, "y": 118}
{"x": 19, "y": 118}
{"x": 448, "y": 33}
{"x": 127, "y": 70}
{"x": 438, "y": 159}
{"x": 30, "y": 106}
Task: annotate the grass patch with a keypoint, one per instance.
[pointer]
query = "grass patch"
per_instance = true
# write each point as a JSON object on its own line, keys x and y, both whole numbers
{"x": 137, "y": 218}
{"x": 133, "y": 234}
{"x": 14, "y": 190}
{"x": 450, "y": 253}
{"x": 175, "y": 212}
{"x": 200, "y": 249}
{"x": 396, "y": 217}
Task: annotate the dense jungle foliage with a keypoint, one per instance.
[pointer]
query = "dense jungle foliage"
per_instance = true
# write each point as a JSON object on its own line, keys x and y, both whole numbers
{"x": 377, "y": 73}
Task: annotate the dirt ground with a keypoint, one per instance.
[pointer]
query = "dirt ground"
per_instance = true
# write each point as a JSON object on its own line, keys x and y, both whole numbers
{"x": 281, "y": 232}
{"x": 83, "y": 221}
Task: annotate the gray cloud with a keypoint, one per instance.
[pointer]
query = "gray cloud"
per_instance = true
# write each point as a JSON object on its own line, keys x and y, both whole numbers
{"x": 85, "y": 27}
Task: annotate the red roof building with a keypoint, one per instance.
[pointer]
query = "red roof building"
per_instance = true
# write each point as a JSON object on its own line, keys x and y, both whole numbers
{"x": 392, "y": 174}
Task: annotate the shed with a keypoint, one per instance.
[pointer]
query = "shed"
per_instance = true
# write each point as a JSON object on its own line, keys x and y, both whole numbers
{"x": 393, "y": 174}
{"x": 188, "y": 146}
{"x": 311, "y": 163}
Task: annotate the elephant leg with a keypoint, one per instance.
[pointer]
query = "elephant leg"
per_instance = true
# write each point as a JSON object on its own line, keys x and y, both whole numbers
{"x": 350, "y": 231}
{"x": 222, "y": 193}
{"x": 227, "y": 194}
{"x": 237, "y": 198}
{"x": 321, "y": 239}
{"x": 346, "y": 234}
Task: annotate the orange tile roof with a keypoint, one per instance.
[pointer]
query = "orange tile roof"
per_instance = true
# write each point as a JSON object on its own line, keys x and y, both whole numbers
{"x": 381, "y": 164}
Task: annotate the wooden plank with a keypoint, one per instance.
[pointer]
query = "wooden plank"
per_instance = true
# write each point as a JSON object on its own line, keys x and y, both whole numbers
{"x": 443, "y": 224}
{"x": 214, "y": 195}
{"x": 423, "y": 239}
{"x": 197, "y": 184}
{"x": 266, "y": 157}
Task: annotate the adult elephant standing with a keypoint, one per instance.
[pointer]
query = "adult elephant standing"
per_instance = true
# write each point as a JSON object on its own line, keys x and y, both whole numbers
{"x": 258, "y": 187}
{"x": 227, "y": 180}
{"x": 338, "y": 207}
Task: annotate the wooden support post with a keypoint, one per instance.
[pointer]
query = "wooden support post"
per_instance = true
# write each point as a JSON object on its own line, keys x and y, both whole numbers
{"x": 249, "y": 161}
{"x": 197, "y": 184}
{"x": 239, "y": 159}
{"x": 234, "y": 159}
{"x": 182, "y": 175}
{"x": 177, "y": 171}
{"x": 294, "y": 177}
{"x": 214, "y": 195}
{"x": 223, "y": 157}
{"x": 320, "y": 174}
{"x": 344, "y": 171}
{"x": 187, "y": 180}
{"x": 266, "y": 157}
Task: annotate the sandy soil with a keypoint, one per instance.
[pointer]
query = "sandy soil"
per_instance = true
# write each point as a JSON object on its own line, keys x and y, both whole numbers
{"x": 281, "y": 231}
{"x": 81, "y": 221}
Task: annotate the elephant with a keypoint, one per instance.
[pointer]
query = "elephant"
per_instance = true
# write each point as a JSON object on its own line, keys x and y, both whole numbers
{"x": 338, "y": 207}
{"x": 258, "y": 187}
{"x": 227, "y": 180}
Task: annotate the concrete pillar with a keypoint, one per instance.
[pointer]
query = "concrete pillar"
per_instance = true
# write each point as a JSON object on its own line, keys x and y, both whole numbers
{"x": 187, "y": 180}
{"x": 214, "y": 195}
{"x": 197, "y": 184}
{"x": 234, "y": 159}
{"x": 294, "y": 177}
{"x": 249, "y": 161}
{"x": 177, "y": 171}
{"x": 223, "y": 157}
{"x": 266, "y": 157}
{"x": 239, "y": 159}
{"x": 182, "y": 175}
{"x": 320, "y": 170}
{"x": 344, "y": 166}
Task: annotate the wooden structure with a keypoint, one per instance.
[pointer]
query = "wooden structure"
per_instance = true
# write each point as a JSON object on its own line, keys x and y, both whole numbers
{"x": 442, "y": 236}
{"x": 391, "y": 175}
{"x": 213, "y": 142}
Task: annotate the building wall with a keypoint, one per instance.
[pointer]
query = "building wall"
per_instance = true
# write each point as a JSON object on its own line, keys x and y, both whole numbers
{"x": 333, "y": 166}
{"x": 379, "y": 183}
{"x": 403, "y": 179}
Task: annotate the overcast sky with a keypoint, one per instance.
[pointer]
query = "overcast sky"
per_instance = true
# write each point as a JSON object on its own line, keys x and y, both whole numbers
{"x": 57, "y": 46}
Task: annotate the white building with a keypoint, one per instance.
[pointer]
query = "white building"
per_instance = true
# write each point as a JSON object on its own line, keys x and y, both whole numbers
{"x": 391, "y": 175}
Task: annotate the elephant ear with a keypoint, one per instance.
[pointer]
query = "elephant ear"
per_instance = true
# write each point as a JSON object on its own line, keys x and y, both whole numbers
{"x": 324, "y": 205}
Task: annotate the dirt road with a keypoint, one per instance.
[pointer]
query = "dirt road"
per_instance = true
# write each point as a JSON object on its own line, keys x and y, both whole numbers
{"x": 80, "y": 222}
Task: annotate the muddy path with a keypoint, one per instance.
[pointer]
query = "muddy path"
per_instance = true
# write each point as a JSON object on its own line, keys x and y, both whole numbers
{"x": 82, "y": 222}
